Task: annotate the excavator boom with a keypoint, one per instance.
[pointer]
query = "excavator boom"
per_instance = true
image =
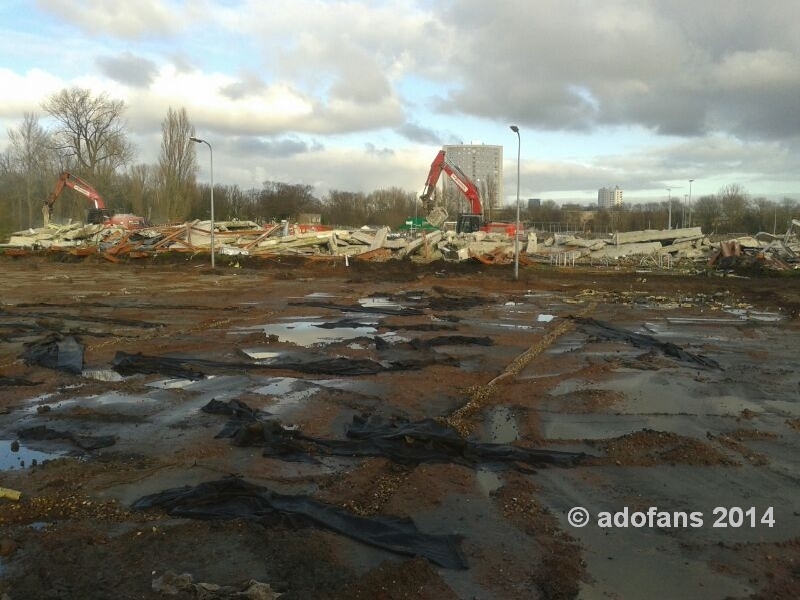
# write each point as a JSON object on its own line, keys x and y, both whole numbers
{"x": 436, "y": 215}
{"x": 97, "y": 214}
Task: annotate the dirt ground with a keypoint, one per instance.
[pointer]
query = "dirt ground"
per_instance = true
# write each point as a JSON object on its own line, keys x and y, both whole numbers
{"x": 697, "y": 410}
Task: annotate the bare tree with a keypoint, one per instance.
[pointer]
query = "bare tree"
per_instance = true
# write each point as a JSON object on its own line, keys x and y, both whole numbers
{"x": 708, "y": 213}
{"x": 90, "y": 131}
{"x": 734, "y": 201}
{"x": 31, "y": 157}
{"x": 489, "y": 196}
{"x": 178, "y": 166}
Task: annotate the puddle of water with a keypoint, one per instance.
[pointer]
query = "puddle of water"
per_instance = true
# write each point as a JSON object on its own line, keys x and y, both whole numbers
{"x": 755, "y": 315}
{"x": 378, "y": 301}
{"x": 23, "y": 458}
{"x": 256, "y": 354}
{"x": 488, "y": 480}
{"x": 309, "y": 333}
{"x": 278, "y": 386}
{"x": 288, "y": 392}
{"x": 648, "y": 392}
{"x": 170, "y": 384}
{"x": 501, "y": 425}
{"x": 564, "y": 345}
{"x": 545, "y": 318}
{"x": 505, "y": 325}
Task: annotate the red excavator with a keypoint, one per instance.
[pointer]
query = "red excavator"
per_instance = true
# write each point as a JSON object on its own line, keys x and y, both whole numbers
{"x": 98, "y": 214}
{"x": 466, "y": 222}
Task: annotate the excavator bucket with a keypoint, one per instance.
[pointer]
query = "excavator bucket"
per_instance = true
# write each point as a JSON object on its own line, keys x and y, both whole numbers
{"x": 437, "y": 216}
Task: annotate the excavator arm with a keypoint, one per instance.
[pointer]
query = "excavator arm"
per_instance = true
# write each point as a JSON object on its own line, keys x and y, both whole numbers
{"x": 436, "y": 216}
{"x": 79, "y": 185}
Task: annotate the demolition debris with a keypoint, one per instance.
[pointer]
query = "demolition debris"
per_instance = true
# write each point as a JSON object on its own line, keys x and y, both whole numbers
{"x": 659, "y": 248}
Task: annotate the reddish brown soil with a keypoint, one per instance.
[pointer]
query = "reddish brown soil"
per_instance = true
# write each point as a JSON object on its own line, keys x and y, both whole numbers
{"x": 73, "y": 535}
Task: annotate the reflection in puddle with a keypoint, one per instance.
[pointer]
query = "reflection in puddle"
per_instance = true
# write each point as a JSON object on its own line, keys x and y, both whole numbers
{"x": 22, "y": 456}
{"x": 501, "y": 425}
{"x": 312, "y": 333}
{"x": 754, "y": 315}
{"x": 378, "y": 302}
{"x": 288, "y": 392}
{"x": 488, "y": 480}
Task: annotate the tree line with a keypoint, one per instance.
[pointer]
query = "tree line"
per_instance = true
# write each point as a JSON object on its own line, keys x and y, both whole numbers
{"x": 87, "y": 136}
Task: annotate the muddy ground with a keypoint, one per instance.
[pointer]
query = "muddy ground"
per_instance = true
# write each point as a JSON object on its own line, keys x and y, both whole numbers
{"x": 672, "y": 390}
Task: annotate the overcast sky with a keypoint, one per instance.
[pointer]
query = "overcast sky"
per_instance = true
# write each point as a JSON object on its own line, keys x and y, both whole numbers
{"x": 360, "y": 95}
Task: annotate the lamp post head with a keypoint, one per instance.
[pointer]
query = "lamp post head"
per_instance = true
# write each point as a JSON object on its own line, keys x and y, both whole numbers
{"x": 514, "y": 128}
{"x": 198, "y": 140}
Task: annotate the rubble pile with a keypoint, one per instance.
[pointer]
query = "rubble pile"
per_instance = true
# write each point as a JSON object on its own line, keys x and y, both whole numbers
{"x": 250, "y": 239}
{"x": 659, "y": 248}
{"x": 664, "y": 248}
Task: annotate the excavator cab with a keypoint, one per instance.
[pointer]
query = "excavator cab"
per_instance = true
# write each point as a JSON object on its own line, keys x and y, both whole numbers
{"x": 467, "y": 223}
{"x": 96, "y": 216}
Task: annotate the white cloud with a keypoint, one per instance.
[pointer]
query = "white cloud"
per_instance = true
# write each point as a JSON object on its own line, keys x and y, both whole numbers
{"x": 129, "y": 20}
{"x": 304, "y": 89}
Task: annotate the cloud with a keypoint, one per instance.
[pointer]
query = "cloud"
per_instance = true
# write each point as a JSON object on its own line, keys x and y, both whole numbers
{"x": 301, "y": 88}
{"x": 129, "y": 20}
{"x": 128, "y": 69}
{"x": 675, "y": 68}
{"x": 417, "y": 133}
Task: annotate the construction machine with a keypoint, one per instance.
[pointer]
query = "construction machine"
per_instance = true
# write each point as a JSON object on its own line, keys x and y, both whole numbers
{"x": 466, "y": 222}
{"x": 436, "y": 215}
{"x": 98, "y": 213}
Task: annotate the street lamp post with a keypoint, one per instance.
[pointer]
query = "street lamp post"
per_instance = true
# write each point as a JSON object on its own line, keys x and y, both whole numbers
{"x": 690, "y": 202}
{"x": 683, "y": 213}
{"x": 669, "y": 207}
{"x": 211, "y": 154}
{"x": 515, "y": 129}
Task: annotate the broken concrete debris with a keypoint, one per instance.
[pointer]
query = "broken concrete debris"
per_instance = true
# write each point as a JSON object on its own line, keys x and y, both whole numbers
{"x": 234, "y": 498}
{"x": 247, "y": 238}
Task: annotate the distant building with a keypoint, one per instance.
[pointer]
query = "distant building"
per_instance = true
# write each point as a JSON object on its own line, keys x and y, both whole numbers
{"x": 534, "y": 203}
{"x": 483, "y": 164}
{"x": 608, "y": 197}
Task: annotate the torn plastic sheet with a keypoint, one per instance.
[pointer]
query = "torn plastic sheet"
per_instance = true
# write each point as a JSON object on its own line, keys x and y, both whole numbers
{"x": 7, "y": 381}
{"x": 234, "y": 498}
{"x": 318, "y": 364}
{"x": 609, "y": 332}
{"x": 84, "y": 442}
{"x": 403, "y": 311}
{"x": 64, "y": 353}
{"x": 441, "y": 340}
{"x": 402, "y": 442}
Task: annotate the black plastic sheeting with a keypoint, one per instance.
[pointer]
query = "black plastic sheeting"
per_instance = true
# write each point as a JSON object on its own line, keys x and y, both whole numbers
{"x": 234, "y": 498}
{"x": 6, "y": 381}
{"x": 318, "y": 364}
{"x": 64, "y": 353}
{"x": 84, "y": 442}
{"x": 403, "y": 311}
{"x": 616, "y": 334}
{"x": 403, "y": 442}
